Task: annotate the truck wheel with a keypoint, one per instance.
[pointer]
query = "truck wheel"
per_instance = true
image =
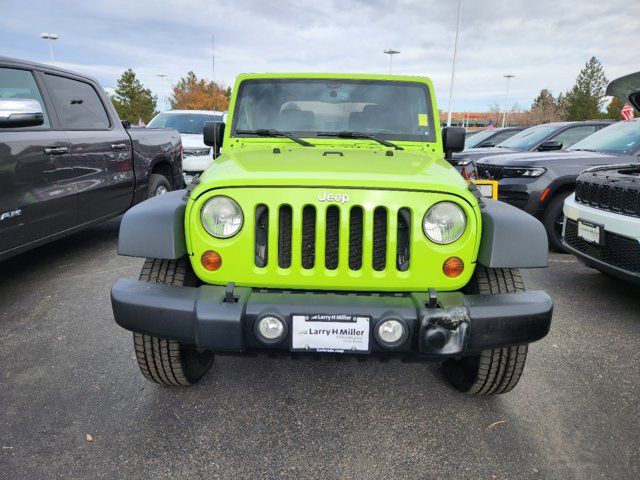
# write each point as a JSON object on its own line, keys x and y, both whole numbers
{"x": 158, "y": 185}
{"x": 552, "y": 220}
{"x": 163, "y": 361}
{"x": 497, "y": 370}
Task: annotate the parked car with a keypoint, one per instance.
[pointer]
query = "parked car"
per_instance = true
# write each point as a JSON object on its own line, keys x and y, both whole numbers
{"x": 66, "y": 160}
{"x": 490, "y": 137}
{"x": 332, "y": 225}
{"x": 538, "y": 183}
{"x": 602, "y": 217}
{"x": 197, "y": 155}
{"x": 541, "y": 138}
{"x": 602, "y": 221}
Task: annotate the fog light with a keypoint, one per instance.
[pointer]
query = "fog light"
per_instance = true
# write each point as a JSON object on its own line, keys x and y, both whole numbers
{"x": 211, "y": 260}
{"x": 391, "y": 333}
{"x": 453, "y": 267}
{"x": 271, "y": 329}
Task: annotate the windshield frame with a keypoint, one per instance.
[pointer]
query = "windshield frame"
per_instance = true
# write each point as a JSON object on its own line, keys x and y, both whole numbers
{"x": 430, "y": 138}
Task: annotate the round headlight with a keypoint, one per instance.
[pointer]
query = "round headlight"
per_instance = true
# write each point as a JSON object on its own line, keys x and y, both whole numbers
{"x": 444, "y": 223}
{"x": 221, "y": 217}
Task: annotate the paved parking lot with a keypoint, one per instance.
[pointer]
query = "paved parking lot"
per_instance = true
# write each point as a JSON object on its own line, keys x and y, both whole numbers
{"x": 68, "y": 370}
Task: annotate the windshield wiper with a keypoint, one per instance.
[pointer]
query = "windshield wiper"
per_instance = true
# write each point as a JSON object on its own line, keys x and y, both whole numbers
{"x": 263, "y": 132}
{"x": 347, "y": 134}
{"x": 582, "y": 150}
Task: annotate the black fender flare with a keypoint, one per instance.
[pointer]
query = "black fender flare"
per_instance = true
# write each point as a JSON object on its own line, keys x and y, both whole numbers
{"x": 561, "y": 183}
{"x": 155, "y": 228}
{"x": 511, "y": 238}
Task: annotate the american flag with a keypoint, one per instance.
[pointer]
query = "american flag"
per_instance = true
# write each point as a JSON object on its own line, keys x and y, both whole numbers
{"x": 627, "y": 112}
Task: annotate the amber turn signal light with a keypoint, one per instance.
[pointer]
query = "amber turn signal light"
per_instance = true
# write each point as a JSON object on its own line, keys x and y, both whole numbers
{"x": 453, "y": 267}
{"x": 211, "y": 260}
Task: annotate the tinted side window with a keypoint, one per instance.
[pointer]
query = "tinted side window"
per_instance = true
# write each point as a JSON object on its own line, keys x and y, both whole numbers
{"x": 574, "y": 134}
{"x": 77, "y": 104}
{"x": 16, "y": 83}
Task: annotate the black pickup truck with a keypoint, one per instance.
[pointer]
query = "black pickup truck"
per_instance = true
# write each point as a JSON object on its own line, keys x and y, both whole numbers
{"x": 66, "y": 159}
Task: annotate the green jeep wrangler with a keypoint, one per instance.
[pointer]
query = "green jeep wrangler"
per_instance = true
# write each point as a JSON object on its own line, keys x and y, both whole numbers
{"x": 332, "y": 224}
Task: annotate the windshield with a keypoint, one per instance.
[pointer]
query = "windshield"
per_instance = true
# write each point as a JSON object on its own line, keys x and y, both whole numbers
{"x": 529, "y": 138}
{"x": 622, "y": 138}
{"x": 477, "y": 138}
{"x": 184, "y": 122}
{"x": 388, "y": 110}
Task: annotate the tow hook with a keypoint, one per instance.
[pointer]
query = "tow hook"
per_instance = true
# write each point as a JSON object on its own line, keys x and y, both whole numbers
{"x": 445, "y": 330}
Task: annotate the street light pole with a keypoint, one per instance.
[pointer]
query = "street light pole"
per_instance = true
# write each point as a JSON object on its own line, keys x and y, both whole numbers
{"x": 391, "y": 52}
{"x": 50, "y": 37}
{"x": 213, "y": 67}
{"x": 166, "y": 100}
{"x": 453, "y": 67}
{"x": 506, "y": 99}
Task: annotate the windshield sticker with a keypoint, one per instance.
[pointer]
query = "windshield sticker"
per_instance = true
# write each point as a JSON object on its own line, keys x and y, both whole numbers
{"x": 422, "y": 120}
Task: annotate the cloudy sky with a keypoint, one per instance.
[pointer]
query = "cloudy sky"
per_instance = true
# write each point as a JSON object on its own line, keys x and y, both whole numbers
{"x": 544, "y": 43}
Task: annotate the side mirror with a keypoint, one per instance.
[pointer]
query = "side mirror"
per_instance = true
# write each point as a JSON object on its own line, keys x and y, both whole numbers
{"x": 550, "y": 145}
{"x": 20, "y": 112}
{"x": 126, "y": 124}
{"x": 452, "y": 140}
{"x": 486, "y": 144}
{"x": 213, "y": 133}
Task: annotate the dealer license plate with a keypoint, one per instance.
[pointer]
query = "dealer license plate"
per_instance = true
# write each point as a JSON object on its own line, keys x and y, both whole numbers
{"x": 589, "y": 231}
{"x": 330, "y": 333}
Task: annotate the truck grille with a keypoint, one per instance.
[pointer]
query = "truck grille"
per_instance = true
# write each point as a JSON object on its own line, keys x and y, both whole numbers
{"x": 366, "y": 235}
{"x": 625, "y": 201}
{"x": 619, "y": 251}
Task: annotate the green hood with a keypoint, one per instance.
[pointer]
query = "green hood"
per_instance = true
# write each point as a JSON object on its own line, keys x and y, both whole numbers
{"x": 335, "y": 167}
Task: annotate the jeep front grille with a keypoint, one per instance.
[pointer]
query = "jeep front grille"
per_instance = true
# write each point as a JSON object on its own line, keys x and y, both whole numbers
{"x": 360, "y": 235}
{"x": 490, "y": 172}
{"x": 624, "y": 200}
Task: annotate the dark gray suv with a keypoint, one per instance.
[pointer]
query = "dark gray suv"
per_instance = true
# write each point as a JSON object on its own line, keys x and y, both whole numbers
{"x": 541, "y": 138}
{"x": 539, "y": 182}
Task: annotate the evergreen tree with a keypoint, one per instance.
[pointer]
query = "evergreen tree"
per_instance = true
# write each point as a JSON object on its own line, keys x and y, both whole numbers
{"x": 545, "y": 108}
{"x": 133, "y": 102}
{"x": 193, "y": 93}
{"x": 587, "y": 97}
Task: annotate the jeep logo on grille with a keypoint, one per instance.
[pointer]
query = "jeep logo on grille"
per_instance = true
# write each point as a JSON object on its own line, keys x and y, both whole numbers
{"x": 334, "y": 197}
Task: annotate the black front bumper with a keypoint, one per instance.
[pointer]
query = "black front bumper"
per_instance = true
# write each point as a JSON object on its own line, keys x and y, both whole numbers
{"x": 618, "y": 255}
{"x": 210, "y": 318}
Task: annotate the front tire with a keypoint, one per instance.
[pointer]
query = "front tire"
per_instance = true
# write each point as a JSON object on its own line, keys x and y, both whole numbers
{"x": 163, "y": 361}
{"x": 497, "y": 370}
{"x": 552, "y": 220}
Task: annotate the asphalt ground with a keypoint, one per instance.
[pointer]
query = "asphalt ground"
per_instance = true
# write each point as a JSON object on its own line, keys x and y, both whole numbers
{"x": 68, "y": 371}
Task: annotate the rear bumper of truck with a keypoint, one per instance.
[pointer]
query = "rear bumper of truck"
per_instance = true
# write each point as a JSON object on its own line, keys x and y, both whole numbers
{"x": 437, "y": 324}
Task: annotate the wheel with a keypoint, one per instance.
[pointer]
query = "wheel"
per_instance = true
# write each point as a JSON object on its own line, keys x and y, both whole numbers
{"x": 552, "y": 220}
{"x": 497, "y": 370}
{"x": 163, "y": 361}
{"x": 158, "y": 185}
